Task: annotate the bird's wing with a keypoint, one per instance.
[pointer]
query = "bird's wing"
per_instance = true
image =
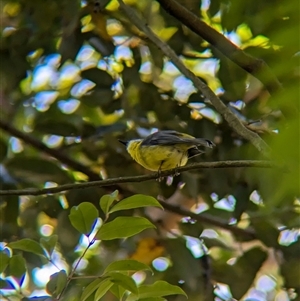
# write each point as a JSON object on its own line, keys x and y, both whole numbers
{"x": 172, "y": 138}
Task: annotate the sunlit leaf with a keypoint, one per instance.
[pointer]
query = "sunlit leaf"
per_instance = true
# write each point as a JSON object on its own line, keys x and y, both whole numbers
{"x": 126, "y": 265}
{"x": 106, "y": 201}
{"x": 122, "y": 227}
{"x": 83, "y": 217}
{"x": 153, "y": 299}
{"x": 136, "y": 201}
{"x": 16, "y": 267}
{"x": 90, "y": 289}
{"x": 157, "y": 289}
{"x": 102, "y": 289}
{"x": 118, "y": 291}
{"x": 123, "y": 280}
{"x": 27, "y": 245}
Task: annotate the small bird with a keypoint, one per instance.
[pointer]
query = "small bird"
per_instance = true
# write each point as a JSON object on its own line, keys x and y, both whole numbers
{"x": 165, "y": 150}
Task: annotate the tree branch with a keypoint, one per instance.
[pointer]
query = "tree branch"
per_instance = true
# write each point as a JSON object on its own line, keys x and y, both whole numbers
{"x": 254, "y": 66}
{"x": 137, "y": 179}
{"x": 209, "y": 219}
{"x": 229, "y": 116}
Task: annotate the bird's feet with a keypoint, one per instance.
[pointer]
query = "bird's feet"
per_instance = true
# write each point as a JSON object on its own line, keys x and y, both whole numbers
{"x": 159, "y": 176}
{"x": 176, "y": 172}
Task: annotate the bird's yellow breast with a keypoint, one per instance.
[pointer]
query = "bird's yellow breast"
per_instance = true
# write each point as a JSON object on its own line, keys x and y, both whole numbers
{"x": 157, "y": 157}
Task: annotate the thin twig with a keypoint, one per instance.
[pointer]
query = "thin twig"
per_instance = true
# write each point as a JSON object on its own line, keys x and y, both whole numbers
{"x": 136, "y": 179}
{"x": 70, "y": 277}
{"x": 229, "y": 116}
{"x": 54, "y": 264}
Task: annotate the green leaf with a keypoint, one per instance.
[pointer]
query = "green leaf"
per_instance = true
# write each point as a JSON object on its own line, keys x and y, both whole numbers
{"x": 157, "y": 289}
{"x": 56, "y": 283}
{"x": 103, "y": 288}
{"x": 123, "y": 227}
{"x": 83, "y": 217}
{"x": 107, "y": 200}
{"x": 27, "y": 245}
{"x": 123, "y": 280}
{"x": 49, "y": 243}
{"x": 4, "y": 259}
{"x": 16, "y": 266}
{"x": 90, "y": 289}
{"x": 136, "y": 201}
{"x": 153, "y": 299}
{"x": 118, "y": 291}
{"x": 126, "y": 265}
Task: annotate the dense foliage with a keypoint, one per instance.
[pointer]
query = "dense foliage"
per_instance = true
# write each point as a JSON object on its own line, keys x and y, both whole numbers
{"x": 78, "y": 76}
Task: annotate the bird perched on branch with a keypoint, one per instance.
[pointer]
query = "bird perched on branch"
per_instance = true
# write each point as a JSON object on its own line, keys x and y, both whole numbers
{"x": 165, "y": 150}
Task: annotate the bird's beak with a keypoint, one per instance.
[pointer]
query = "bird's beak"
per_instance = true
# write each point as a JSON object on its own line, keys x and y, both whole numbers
{"x": 123, "y": 142}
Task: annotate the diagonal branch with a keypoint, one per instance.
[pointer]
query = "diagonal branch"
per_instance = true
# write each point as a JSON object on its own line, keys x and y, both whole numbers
{"x": 254, "y": 66}
{"x": 229, "y": 116}
{"x": 60, "y": 156}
